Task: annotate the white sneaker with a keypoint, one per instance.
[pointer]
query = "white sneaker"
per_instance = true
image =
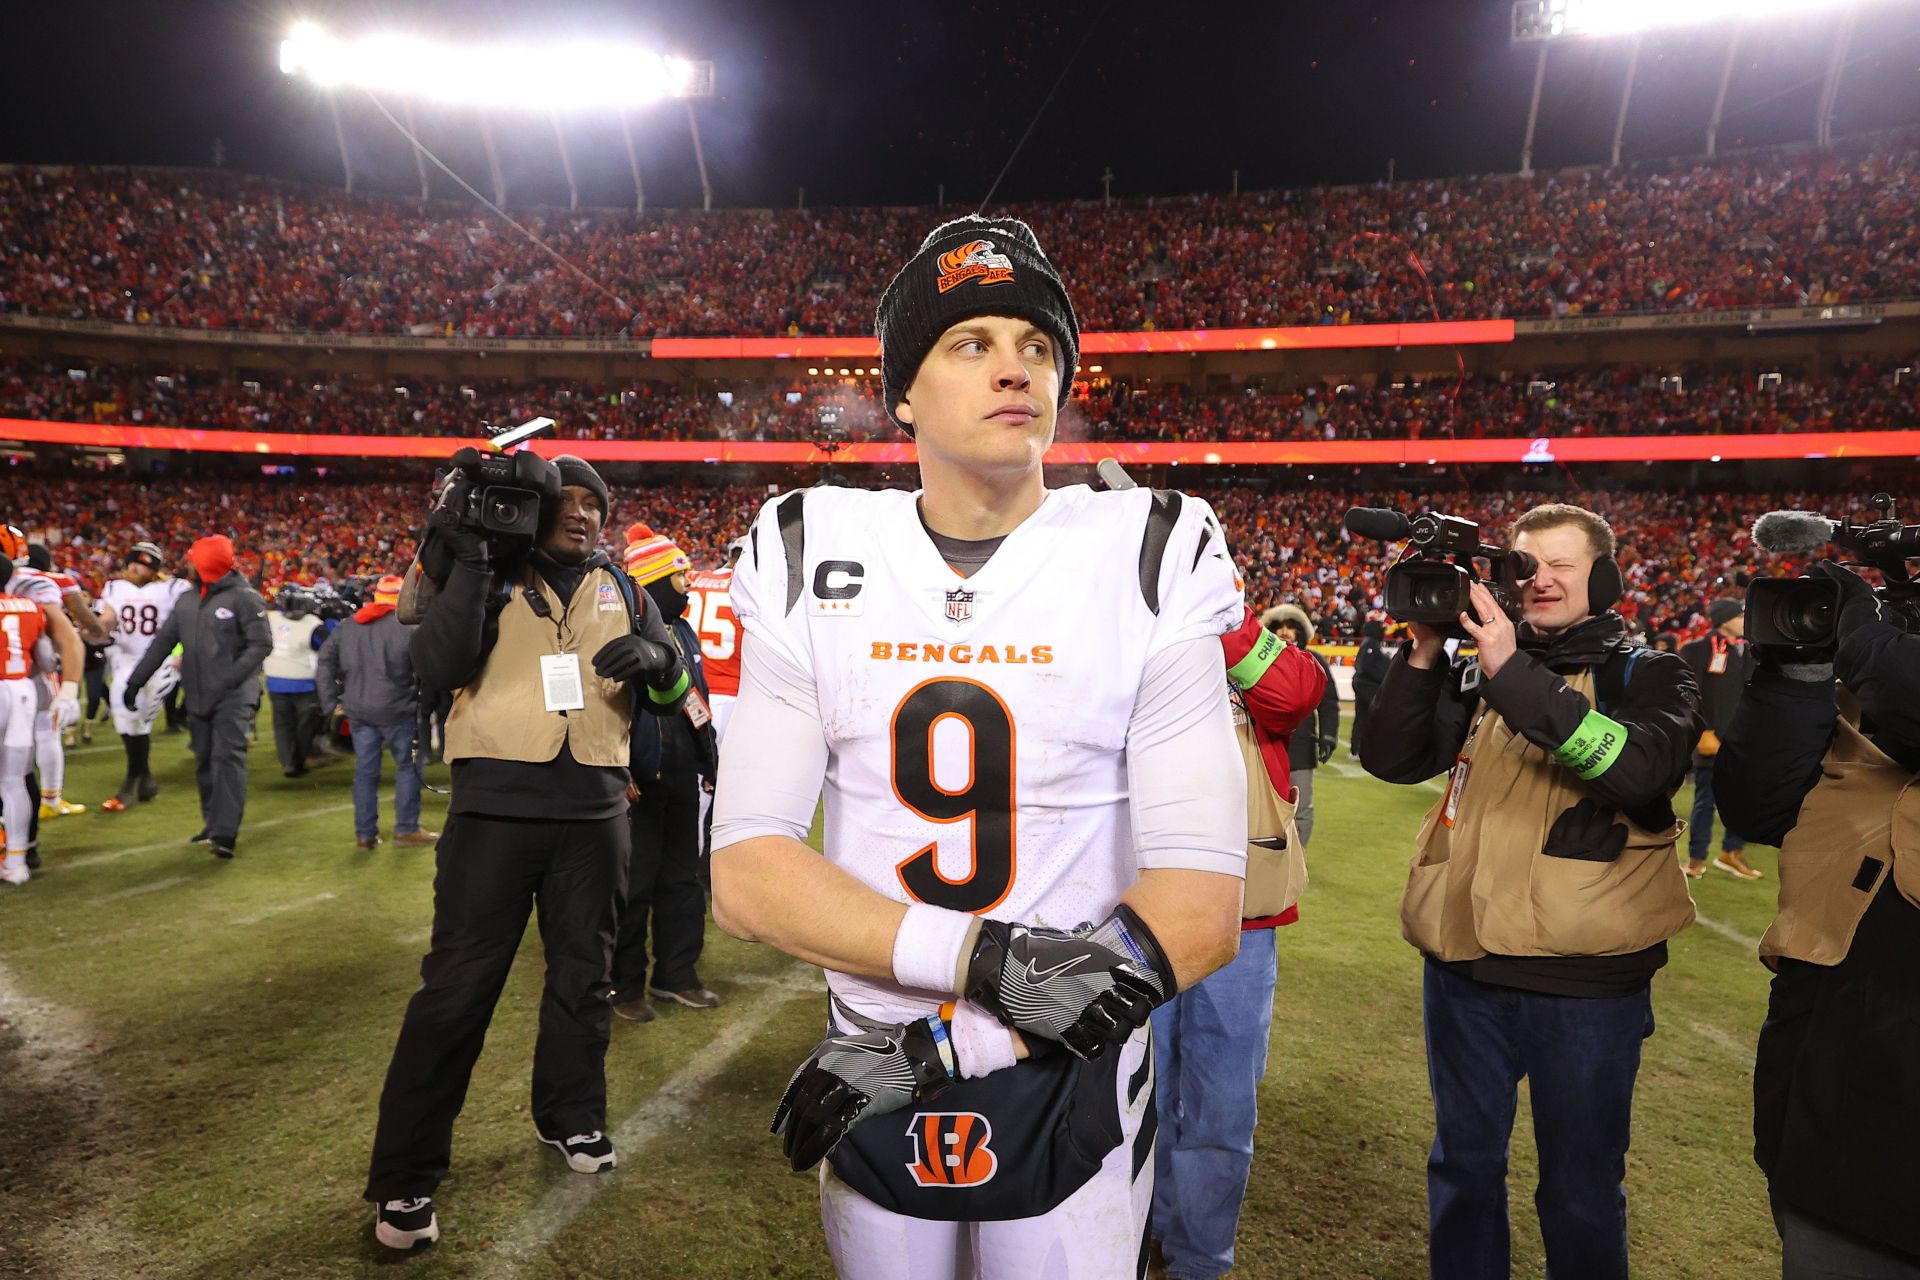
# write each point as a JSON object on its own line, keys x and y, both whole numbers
{"x": 403, "y": 1224}
{"x": 15, "y": 872}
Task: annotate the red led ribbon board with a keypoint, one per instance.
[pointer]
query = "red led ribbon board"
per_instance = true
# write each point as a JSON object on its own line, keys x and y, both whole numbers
{"x": 1329, "y": 337}
{"x": 1570, "y": 449}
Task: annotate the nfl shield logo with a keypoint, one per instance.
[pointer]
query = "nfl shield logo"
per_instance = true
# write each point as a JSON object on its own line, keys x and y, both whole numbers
{"x": 959, "y": 604}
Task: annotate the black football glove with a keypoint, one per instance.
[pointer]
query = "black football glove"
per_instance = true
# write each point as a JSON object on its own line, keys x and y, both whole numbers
{"x": 848, "y": 1078}
{"x": 130, "y": 694}
{"x": 631, "y": 658}
{"x": 1089, "y": 991}
{"x": 1327, "y": 745}
{"x": 1859, "y": 604}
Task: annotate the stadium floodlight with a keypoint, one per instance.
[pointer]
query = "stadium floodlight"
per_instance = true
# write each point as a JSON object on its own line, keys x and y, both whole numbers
{"x": 1560, "y": 19}
{"x": 545, "y": 76}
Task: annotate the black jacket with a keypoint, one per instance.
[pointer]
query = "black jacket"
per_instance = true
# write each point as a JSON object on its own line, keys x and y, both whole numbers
{"x": 1302, "y": 752}
{"x": 224, "y": 640}
{"x": 1838, "y": 1065}
{"x": 670, "y": 756}
{"x": 1719, "y": 694}
{"x": 1420, "y": 719}
{"x": 1369, "y": 669}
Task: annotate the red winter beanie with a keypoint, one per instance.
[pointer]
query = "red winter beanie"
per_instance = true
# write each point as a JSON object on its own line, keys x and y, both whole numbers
{"x": 212, "y": 559}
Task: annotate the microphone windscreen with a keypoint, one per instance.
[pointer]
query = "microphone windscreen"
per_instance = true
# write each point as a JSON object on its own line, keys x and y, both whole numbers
{"x": 1382, "y": 523}
{"x": 1793, "y": 531}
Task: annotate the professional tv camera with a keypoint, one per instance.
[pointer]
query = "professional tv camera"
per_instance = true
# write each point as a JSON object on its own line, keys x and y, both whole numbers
{"x": 1432, "y": 580}
{"x": 496, "y": 494}
{"x": 1802, "y": 612}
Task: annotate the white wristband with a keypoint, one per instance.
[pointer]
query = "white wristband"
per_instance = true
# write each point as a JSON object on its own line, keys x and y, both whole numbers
{"x": 70, "y": 689}
{"x": 927, "y": 947}
{"x": 981, "y": 1044}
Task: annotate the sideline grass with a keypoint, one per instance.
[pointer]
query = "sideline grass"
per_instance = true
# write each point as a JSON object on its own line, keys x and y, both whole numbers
{"x": 190, "y": 1054}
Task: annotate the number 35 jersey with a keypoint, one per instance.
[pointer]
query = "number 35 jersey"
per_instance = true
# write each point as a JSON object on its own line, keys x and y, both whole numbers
{"x": 977, "y": 727}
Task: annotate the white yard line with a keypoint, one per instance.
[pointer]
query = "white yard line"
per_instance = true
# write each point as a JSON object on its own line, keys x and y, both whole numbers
{"x": 1728, "y": 932}
{"x": 672, "y": 1104}
{"x": 278, "y": 908}
{"x": 151, "y": 886}
{"x": 57, "y": 863}
{"x": 1733, "y": 1045}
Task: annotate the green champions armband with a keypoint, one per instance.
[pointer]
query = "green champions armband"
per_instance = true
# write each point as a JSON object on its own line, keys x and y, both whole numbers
{"x": 1594, "y": 746}
{"x": 664, "y": 696}
{"x": 1247, "y": 672}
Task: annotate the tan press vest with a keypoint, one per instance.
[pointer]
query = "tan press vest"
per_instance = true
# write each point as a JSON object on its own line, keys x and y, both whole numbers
{"x": 1860, "y": 821}
{"x": 1276, "y": 876}
{"x": 503, "y": 715}
{"x": 1483, "y": 886}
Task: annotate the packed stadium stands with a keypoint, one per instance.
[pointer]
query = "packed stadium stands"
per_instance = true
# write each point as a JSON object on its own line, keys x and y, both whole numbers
{"x": 1289, "y": 545}
{"x": 1626, "y": 401}
{"x": 224, "y": 252}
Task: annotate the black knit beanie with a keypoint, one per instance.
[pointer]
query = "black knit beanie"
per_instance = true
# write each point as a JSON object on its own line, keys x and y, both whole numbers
{"x": 972, "y": 266}
{"x": 579, "y": 471}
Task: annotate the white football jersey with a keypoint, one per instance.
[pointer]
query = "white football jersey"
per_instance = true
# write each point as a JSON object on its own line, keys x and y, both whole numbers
{"x": 977, "y": 727}
{"x": 142, "y": 611}
{"x": 35, "y": 586}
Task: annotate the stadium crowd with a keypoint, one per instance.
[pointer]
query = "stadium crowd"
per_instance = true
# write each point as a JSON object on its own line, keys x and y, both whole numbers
{"x": 1624, "y": 401}
{"x": 1678, "y": 549}
{"x": 226, "y": 252}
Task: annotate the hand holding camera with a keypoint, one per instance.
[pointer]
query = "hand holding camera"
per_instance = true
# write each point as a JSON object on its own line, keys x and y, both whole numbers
{"x": 1430, "y": 586}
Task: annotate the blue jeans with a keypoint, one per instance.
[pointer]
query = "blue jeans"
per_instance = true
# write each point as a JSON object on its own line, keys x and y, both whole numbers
{"x": 1580, "y": 1057}
{"x": 368, "y": 742}
{"x": 1700, "y": 832}
{"x": 1210, "y": 1051}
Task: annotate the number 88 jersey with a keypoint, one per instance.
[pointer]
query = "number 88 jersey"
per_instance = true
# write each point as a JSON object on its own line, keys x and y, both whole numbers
{"x": 139, "y": 613}
{"x": 977, "y": 727}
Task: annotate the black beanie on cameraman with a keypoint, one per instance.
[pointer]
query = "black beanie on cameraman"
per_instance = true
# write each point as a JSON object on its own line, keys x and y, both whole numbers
{"x": 969, "y": 267}
{"x": 578, "y": 471}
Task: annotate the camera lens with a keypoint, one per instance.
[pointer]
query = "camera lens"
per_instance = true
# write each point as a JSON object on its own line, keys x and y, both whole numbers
{"x": 1437, "y": 594}
{"x": 1803, "y": 618}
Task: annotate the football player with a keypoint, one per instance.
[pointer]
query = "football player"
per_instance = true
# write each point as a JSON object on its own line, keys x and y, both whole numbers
{"x": 134, "y": 606}
{"x": 35, "y": 610}
{"x": 48, "y": 749}
{"x": 710, "y": 614}
{"x": 1035, "y": 805}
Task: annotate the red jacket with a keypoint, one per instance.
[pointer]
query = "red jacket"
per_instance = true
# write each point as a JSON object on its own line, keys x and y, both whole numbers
{"x": 1280, "y": 688}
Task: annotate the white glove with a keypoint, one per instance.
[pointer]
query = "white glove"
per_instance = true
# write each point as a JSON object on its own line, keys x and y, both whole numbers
{"x": 66, "y": 706}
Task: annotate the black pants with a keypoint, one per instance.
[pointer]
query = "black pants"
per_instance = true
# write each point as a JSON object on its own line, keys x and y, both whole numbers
{"x": 489, "y": 873}
{"x": 296, "y": 720}
{"x": 1362, "y": 709}
{"x": 664, "y": 893}
{"x": 96, "y": 683}
{"x": 219, "y": 743}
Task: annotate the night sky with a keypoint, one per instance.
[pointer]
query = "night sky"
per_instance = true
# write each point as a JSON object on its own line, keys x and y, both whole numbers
{"x": 880, "y": 103}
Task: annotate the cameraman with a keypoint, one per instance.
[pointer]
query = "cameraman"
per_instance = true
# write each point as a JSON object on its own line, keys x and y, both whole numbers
{"x": 1544, "y": 891}
{"x": 1837, "y": 1071}
{"x": 548, "y": 653}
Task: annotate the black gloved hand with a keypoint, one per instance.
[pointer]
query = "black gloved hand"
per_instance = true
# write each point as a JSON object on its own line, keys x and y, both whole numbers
{"x": 849, "y": 1078}
{"x": 1327, "y": 745}
{"x": 631, "y": 658}
{"x": 1858, "y": 603}
{"x": 129, "y": 694}
{"x": 1086, "y": 990}
{"x": 447, "y": 524}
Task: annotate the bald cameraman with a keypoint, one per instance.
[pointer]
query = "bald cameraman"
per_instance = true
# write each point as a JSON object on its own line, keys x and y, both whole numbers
{"x": 1821, "y": 760}
{"x": 1544, "y": 891}
{"x": 548, "y": 653}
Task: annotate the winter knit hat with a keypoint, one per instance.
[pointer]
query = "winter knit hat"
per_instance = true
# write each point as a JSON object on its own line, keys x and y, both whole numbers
{"x": 972, "y": 266}
{"x": 212, "y": 558}
{"x": 579, "y": 471}
{"x": 651, "y": 556}
{"x": 1721, "y": 612}
{"x": 387, "y": 590}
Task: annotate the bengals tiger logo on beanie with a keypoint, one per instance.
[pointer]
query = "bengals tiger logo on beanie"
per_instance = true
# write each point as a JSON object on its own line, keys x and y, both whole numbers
{"x": 968, "y": 267}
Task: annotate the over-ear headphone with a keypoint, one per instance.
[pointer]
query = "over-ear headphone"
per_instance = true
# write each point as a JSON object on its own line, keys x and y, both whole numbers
{"x": 1604, "y": 585}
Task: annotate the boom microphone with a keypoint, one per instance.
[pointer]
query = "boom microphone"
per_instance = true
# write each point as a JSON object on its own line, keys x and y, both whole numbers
{"x": 1381, "y": 523}
{"x": 1793, "y": 531}
{"x": 1113, "y": 475}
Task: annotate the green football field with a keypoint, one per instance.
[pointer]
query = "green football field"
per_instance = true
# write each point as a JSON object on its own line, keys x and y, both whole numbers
{"x": 191, "y": 1052}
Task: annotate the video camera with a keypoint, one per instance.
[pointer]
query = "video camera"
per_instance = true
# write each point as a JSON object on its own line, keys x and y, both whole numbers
{"x": 1432, "y": 581}
{"x": 1803, "y": 612}
{"x": 497, "y": 494}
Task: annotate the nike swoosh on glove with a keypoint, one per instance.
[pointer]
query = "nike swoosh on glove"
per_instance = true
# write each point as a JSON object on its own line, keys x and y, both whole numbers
{"x": 630, "y": 658}
{"x": 1088, "y": 991}
{"x": 850, "y": 1078}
